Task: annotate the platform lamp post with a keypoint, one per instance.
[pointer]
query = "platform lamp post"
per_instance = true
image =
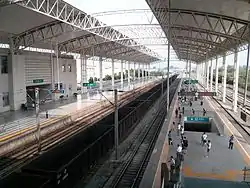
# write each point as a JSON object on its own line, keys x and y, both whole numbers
{"x": 38, "y": 120}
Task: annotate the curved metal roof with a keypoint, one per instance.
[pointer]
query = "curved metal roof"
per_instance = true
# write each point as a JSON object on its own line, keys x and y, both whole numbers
{"x": 202, "y": 29}
{"x": 44, "y": 23}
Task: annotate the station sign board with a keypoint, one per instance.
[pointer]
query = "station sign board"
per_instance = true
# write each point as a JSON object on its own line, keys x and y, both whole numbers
{"x": 191, "y": 81}
{"x": 196, "y": 119}
{"x": 56, "y": 91}
{"x": 193, "y": 93}
{"x": 88, "y": 84}
{"x": 38, "y": 81}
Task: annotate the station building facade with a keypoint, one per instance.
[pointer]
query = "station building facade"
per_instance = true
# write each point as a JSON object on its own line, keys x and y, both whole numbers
{"x": 21, "y": 74}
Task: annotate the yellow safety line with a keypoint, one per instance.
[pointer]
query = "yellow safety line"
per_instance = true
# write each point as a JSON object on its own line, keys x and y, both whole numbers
{"x": 230, "y": 175}
{"x": 17, "y": 133}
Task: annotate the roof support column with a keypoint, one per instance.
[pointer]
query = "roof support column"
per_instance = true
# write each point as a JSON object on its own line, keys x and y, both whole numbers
{"x": 129, "y": 74}
{"x": 139, "y": 71}
{"x": 149, "y": 71}
{"x": 247, "y": 75}
{"x": 189, "y": 76}
{"x": 143, "y": 71}
{"x": 224, "y": 94}
{"x": 57, "y": 66}
{"x": 236, "y": 80}
{"x": 207, "y": 74}
{"x": 216, "y": 75}
{"x": 113, "y": 73}
{"x": 169, "y": 40}
{"x": 101, "y": 76}
{"x": 211, "y": 76}
{"x": 197, "y": 72}
{"x": 204, "y": 73}
{"x": 122, "y": 73}
{"x": 134, "y": 72}
{"x": 83, "y": 59}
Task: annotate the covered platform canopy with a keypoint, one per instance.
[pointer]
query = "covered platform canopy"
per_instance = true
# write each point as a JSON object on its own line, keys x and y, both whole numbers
{"x": 57, "y": 25}
{"x": 201, "y": 29}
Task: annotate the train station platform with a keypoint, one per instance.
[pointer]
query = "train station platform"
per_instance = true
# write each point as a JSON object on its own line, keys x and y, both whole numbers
{"x": 222, "y": 167}
{"x": 18, "y": 121}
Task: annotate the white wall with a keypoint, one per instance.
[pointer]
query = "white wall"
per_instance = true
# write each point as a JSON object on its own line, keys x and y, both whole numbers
{"x": 17, "y": 87}
{"x": 66, "y": 78}
{"x": 4, "y": 81}
{"x": 37, "y": 67}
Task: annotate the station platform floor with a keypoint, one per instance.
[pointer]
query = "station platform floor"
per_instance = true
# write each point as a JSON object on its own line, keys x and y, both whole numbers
{"x": 222, "y": 163}
{"x": 14, "y": 121}
{"x": 223, "y": 167}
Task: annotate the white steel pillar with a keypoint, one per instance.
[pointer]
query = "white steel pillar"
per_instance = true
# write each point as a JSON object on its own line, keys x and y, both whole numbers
{"x": 57, "y": 66}
{"x": 101, "y": 76}
{"x": 139, "y": 71}
{"x": 122, "y": 72}
{"x": 129, "y": 74}
{"x": 113, "y": 73}
{"x": 211, "y": 76}
{"x": 83, "y": 59}
{"x": 149, "y": 71}
{"x": 142, "y": 71}
{"x": 216, "y": 75}
{"x": 236, "y": 80}
{"x": 134, "y": 72}
{"x": 207, "y": 74}
{"x": 224, "y": 93}
{"x": 247, "y": 75}
{"x": 189, "y": 75}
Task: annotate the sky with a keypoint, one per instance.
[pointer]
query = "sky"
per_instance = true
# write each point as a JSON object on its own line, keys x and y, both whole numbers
{"x": 97, "y": 6}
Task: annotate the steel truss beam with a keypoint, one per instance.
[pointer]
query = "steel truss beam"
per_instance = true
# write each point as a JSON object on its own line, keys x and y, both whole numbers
{"x": 228, "y": 31}
{"x": 66, "y": 13}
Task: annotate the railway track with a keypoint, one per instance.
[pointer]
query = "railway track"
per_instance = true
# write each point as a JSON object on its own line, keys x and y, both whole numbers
{"x": 17, "y": 158}
{"x": 132, "y": 171}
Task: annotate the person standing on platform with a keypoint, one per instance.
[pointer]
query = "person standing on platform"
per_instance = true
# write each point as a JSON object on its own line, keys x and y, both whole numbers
{"x": 178, "y": 151}
{"x": 231, "y": 142}
{"x": 182, "y": 132}
{"x": 209, "y": 146}
{"x": 201, "y": 102}
{"x": 183, "y": 109}
{"x": 193, "y": 112}
{"x": 172, "y": 164}
{"x": 185, "y": 144}
{"x": 179, "y": 116}
{"x": 170, "y": 141}
{"x": 178, "y": 129}
{"x": 203, "y": 139}
{"x": 176, "y": 113}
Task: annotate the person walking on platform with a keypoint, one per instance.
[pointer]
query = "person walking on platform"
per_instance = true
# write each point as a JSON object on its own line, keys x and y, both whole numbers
{"x": 190, "y": 103}
{"x": 183, "y": 109}
{"x": 185, "y": 144}
{"x": 203, "y": 139}
{"x": 231, "y": 142}
{"x": 201, "y": 102}
{"x": 204, "y": 112}
{"x": 209, "y": 146}
{"x": 170, "y": 141}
